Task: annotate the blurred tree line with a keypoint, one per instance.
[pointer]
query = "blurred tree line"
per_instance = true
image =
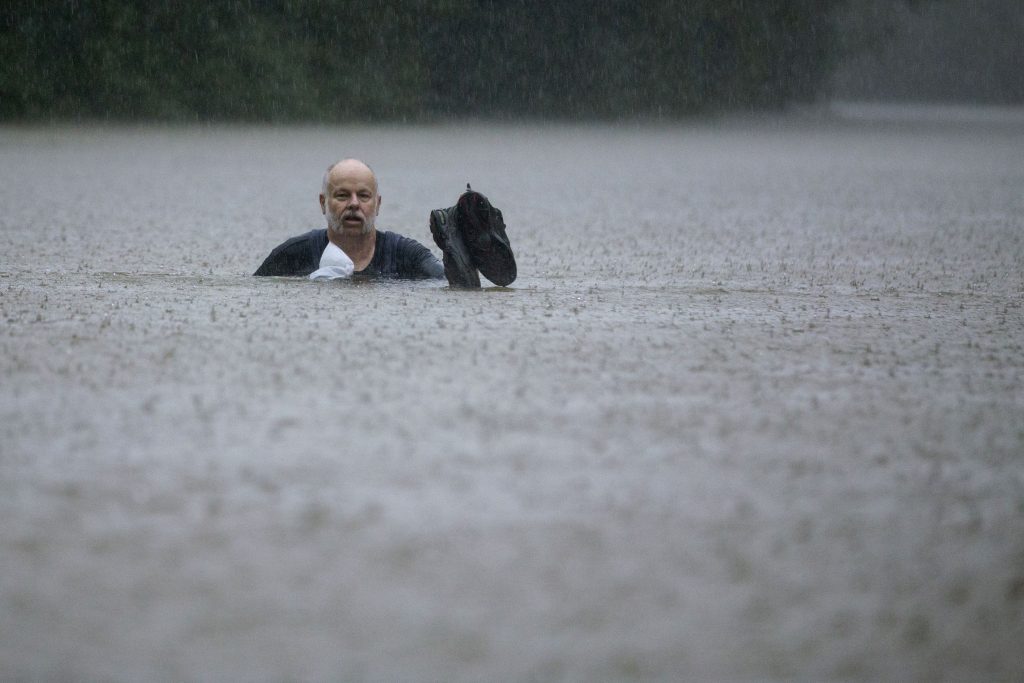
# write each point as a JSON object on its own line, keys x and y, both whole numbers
{"x": 342, "y": 60}
{"x": 933, "y": 50}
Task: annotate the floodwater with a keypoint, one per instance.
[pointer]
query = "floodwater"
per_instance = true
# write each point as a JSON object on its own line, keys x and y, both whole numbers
{"x": 752, "y": 410}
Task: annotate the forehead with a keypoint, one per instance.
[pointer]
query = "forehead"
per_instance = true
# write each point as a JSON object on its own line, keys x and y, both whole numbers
{"x": 351, "y": 176}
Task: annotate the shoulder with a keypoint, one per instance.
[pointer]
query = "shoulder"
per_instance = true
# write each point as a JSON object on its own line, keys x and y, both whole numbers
{"x": 298, "y": 255}
{"x": 407, "y": 257}
{"x": 303, "y": 240}
{"x": 401, "y": 243}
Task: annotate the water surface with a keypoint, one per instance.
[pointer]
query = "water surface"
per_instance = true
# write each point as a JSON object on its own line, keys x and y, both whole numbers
{"x": 751, "y": 410}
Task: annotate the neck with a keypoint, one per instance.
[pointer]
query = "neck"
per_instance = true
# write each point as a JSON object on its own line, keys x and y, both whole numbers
{"x": 358, "y": 246}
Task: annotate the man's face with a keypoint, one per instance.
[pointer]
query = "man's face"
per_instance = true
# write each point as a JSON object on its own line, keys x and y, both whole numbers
{"x": 350, "y": 201}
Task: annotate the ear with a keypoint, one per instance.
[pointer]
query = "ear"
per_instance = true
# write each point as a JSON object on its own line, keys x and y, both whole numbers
{"x": 377, "y": 210}
{"x": 323, "y": 205}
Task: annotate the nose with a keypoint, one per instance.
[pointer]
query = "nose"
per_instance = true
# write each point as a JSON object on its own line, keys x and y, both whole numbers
{"x": 352, "y": 201}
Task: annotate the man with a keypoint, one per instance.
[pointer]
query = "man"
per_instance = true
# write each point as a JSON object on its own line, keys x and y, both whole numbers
{"x": 350, "y": 202}
{"x": 471, "y": 235}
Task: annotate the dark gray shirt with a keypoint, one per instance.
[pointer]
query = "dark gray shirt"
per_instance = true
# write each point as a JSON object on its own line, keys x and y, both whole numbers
{"x": 393, "y": 256}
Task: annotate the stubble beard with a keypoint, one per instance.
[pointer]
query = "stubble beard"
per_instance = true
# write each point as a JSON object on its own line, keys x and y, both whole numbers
{"x": 337, "y": 224}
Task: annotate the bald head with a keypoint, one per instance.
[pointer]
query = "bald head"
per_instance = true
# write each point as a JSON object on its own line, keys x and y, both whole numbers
{"x": 345, "y": 167}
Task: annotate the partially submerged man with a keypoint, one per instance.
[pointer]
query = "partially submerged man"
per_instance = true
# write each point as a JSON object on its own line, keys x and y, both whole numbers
{"x": 350, "y": 202}
{"x": 471, "y": 235}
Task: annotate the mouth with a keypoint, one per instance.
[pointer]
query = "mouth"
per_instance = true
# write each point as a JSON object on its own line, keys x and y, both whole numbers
{"x": 351, "y": 219}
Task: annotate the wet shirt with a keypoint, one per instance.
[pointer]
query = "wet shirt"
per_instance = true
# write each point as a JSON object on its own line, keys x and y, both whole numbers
{"x": 394, "y": 256}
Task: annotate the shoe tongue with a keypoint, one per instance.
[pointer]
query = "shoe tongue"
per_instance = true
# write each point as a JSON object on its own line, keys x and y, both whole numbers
{"x": 464, "y": 207}
{"x": 473, "y": 206}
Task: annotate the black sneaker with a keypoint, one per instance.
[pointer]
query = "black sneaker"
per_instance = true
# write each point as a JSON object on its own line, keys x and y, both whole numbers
{"x": 458, "y": 267}
{"x": 483, "y": 232}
